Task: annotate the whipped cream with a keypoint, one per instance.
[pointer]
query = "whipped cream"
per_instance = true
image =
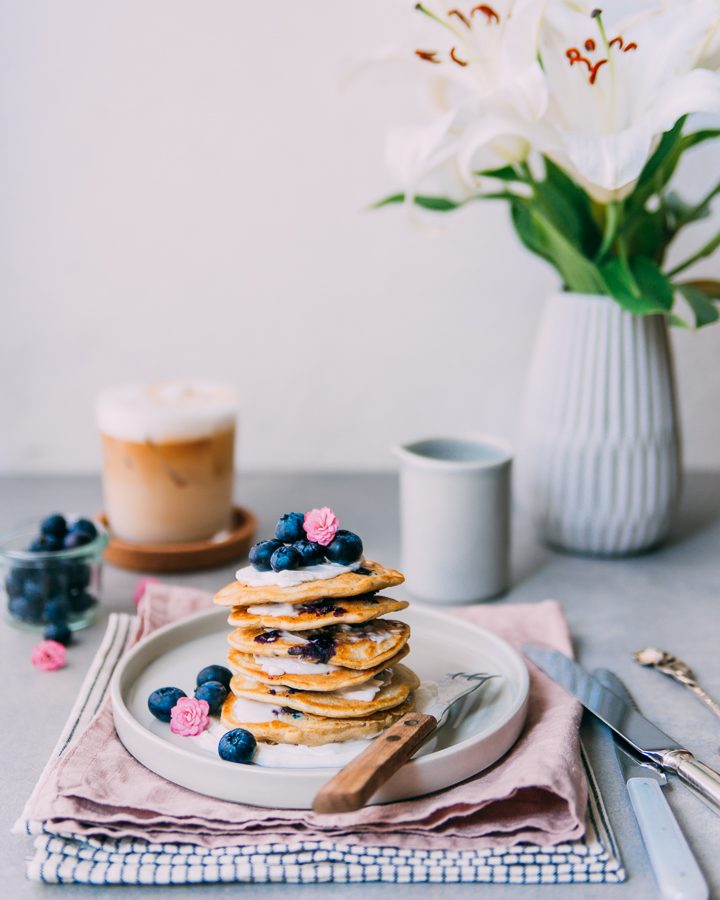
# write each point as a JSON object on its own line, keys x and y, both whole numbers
{"x": 283, "y": 756}
{"x": 284, "y": 665}
{"x": 365, "y": 691}
{"x": 365, "y": 633}
{"x": 253, "y": 711}
{"x": 274, "y": 610}
{"x": 251, "y": 577}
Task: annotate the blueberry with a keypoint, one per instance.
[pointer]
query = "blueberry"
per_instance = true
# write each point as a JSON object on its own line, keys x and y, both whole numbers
{"x": 161, "y": 702}
{"x": 312, "y": 554}
{"x": 57, "y": 610}
{"x": 60, "y": 633}
{"x": 215, "y": 694}
{"x": 76, "y": 539}
{"x": 237, "y": 746}
{"x": 28, "y": 610}
{"x": 80, "y": 601}
{"x": 35, "y": 591}
{"x": 54, "y": 525}
{"x": 14, "y": 582}
{"x": 77, "y": 575}
{"x": 260, "y": 554}
{"x": 84, "y": 526}
{"x": 345, "y": 548}
{"x": 215, "y": 673}
{"x": 46, "y": 543}
{"x": 285, "y": 558}
{"x": 290, "y": 528}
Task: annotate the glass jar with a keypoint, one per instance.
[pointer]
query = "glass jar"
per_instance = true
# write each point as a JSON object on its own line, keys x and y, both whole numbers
{"x": 51, "y": 586}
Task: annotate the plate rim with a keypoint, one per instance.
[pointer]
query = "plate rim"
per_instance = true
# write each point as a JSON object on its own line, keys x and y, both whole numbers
{"x": 120, "y": 708}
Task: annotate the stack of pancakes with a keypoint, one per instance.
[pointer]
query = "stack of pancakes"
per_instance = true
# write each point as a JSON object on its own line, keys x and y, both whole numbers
{"x": 320, "y": 658}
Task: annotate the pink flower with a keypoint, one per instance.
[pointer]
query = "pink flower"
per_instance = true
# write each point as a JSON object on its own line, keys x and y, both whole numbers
{"x": 48, "y": 655}
{"x": 141, "y": 587}
{"x": 189, "y": 716}
{"x": 321, "y": 525}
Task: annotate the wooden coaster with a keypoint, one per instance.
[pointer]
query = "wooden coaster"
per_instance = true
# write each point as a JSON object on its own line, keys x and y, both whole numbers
{"x": 181, "y": 557}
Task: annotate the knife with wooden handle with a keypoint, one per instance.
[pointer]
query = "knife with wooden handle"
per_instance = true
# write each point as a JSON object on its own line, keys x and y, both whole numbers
{"x": 355, "y": 784}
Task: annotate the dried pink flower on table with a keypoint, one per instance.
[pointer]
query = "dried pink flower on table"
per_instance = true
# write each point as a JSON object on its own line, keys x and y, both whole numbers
{"x": 321, "y": 525}
{"x": 189, "y": 716}
{"x": 49, "y": 655}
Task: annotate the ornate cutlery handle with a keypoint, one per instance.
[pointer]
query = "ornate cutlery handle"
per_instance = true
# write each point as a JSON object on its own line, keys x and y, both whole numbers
{"x": 677, "y": 670}
{"x": 703, "y": 781}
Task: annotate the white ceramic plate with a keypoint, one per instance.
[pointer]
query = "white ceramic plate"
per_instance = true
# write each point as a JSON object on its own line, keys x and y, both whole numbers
{"x": 487, "y": 727}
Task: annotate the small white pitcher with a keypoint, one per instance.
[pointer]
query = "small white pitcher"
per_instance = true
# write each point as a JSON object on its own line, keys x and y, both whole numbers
{"x": 455, "y": 517}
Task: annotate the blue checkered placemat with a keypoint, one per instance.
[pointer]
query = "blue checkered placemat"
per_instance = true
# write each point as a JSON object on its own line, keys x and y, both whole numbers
{"x": 78, "y": 859}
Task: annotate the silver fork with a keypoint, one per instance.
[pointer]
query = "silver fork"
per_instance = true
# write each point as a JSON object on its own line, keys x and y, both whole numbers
{"x": 354, "y": 784}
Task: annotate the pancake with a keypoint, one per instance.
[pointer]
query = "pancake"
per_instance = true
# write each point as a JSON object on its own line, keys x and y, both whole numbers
{"x": 289, "y": 726}
{"x": 396, "y": 686}
{"x": 307, "y": 676}
{"x": 350, "y": 584}
{"x": 353, "y": 646}
{"x": 316, "y": 613}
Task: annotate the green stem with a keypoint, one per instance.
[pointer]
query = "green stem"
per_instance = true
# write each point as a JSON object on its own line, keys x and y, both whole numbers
{"x": 703, "y": 203}
{"x": 612, "y": 223}
{"x": 706, "y": 250}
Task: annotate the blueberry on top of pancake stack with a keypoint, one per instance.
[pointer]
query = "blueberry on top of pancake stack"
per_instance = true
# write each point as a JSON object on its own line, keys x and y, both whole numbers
{"x": 315, "y": 663}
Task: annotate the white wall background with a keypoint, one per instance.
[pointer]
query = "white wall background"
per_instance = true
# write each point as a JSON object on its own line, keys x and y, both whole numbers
{"x": 181, "y": 192}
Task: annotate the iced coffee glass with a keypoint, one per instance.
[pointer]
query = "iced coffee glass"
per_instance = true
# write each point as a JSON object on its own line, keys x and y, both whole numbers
{"x": 168, "y": 452}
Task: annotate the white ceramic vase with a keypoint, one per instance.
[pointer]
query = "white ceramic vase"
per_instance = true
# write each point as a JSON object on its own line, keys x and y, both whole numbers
{"x": 599, "y": 458}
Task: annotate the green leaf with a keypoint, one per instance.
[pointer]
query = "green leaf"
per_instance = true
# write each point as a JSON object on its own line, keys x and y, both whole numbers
{"x": 540, "y": 235}
{"x": 653, "y": 284}
{"x": 395, "y": 198}
{"x": 711, "y": 288}
{"x": 705, "y": 250}
{"x": 507, "y": 173}
{"x": 439, "y": 204}
{"x": 701, "y": 304}
{"x": 569, "y": 208}
{"x": 677, "y": 321}
{"x": 625, "y": 289}
{"x": 661, "y": 164}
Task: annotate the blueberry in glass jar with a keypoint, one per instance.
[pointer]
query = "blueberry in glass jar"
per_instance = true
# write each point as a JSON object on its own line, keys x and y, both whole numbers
{"x": 312, "y": 554}
{"x": 15, "y": 582}
{"x": 27, "y": 610}
{"x": 237, "y": 746}
{"x": 85, "y": 527}
{"x": 80, "y": 601}
{"x": 60, "y": 633}
{"x": 213, "y": 693}
{"x": 290, "y": 528}
{"x": 57, "y": 610}
{"x": 285, "y": 558}
{"x": 345, "y": 548}
{"x": 54, "y": 525}
{"x": 261, "y": 554}
{"x": 214, "y": 673}
{"x": 162, "y": 701}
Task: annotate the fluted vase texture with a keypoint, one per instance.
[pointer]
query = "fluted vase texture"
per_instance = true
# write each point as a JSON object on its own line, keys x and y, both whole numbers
{"x": 599, "y": 460}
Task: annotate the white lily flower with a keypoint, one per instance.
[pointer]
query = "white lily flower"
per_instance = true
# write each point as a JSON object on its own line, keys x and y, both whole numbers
{"x": 481, "y": 60}
{"x": 615, "y": 89}
{"x": 707, "y": 51}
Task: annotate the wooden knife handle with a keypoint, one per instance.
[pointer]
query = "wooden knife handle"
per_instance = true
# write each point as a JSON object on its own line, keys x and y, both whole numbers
{"x": 355, "y": 784}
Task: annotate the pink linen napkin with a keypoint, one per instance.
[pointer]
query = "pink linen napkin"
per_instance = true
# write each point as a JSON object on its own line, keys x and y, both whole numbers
{"x": 536, "y": 793}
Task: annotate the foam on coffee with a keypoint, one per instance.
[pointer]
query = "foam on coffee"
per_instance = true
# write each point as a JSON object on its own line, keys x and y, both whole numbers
{"x": 166, "y": 411}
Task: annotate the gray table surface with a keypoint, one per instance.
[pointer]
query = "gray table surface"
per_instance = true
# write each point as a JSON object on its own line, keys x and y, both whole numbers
{"x": 668, "y": 599}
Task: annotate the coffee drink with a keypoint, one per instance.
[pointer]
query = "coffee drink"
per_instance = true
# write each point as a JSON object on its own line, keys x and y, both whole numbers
{"x": 168, "y": 460}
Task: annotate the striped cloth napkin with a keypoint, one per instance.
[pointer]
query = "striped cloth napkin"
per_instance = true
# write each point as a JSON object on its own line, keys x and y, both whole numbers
{"x": 62, "y": 854}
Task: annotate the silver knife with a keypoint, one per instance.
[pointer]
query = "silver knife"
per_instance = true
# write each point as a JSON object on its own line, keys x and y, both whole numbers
{"x": 643, "y": 736}
{"x": 676, "y": 871}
